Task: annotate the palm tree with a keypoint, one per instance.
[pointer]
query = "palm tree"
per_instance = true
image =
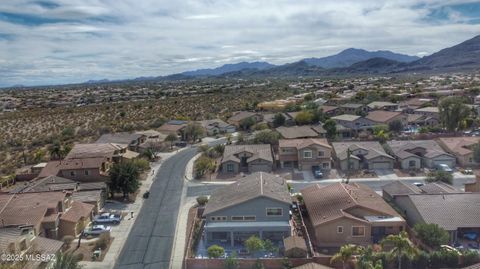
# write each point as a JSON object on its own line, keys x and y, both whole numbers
{"x": 401, "y": 246}
{"x": 345, "y": 254}
{"x": 55, "y": 150}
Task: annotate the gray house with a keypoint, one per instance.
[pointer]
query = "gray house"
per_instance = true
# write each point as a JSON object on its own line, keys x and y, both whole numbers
{"x": 363, "y": 155}
{"x": 258, "y": 205}
{"x": 247, "y": 158}
{"x": 415, "y": 154}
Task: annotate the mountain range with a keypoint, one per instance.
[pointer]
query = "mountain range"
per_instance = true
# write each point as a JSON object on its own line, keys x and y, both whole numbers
{"x": 462, "y": 57}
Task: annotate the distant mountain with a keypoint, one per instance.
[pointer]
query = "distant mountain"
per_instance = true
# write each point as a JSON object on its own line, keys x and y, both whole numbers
{"x": 300, "y": 68}
{"x": 227, "y": 68}
{"x": 97, "y": 81}
{"x": 465, "y": 55}
{"x": 351, "y": 56}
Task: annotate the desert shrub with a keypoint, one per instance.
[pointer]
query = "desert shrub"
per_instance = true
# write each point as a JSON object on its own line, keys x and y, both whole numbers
{"x": 215, "y": 251}
{"x": 103, "y": 241}
{"x": 68, "y": 239}
{"x": 202, "y": 200}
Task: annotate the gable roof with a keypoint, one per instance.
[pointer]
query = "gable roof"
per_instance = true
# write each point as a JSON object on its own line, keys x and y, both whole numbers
{"x": 303, "y": 131}
{"x": 382, "y": 116}
{"x": 259, "y": 151}
{"x": 449, "y": 210}
{"x": 346, "y": 117}
{"x": 398, "y": 187}
{"x": 241, "y": 115}
{"x": 334, "y": 201}
{"x": 373, "y": 147}
{"x": 380, "y": 104}
{"x": 119, "y": 138}
{"x": 255, "y": 185}
{"x": 77, "y": 211}
{"x": 81, "y": 151}
{"x": 459, "y": 145}
{"x": 401, "y": 148}
{"x": 303, "y": 143}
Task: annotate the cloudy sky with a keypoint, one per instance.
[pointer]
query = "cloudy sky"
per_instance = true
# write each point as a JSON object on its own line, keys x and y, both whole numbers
{"x": 64, "y": 41}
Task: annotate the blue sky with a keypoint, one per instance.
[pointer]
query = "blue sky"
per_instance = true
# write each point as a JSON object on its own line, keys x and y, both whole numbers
{"x": 66, "y": 41}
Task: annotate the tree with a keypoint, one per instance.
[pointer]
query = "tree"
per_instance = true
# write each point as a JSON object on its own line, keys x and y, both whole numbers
{"x": 381, "y": 133}
{"x": 203, "y": 165}
{"x": 254, "y": 244}
{"x": 331, "y": 127}
{"x": 395, "y": 126}
{"x": 215, "y": 251}
{"x": 39, "y": 155}
{"x": 401, "y": 247}
{"x": 476, "y": 153}
{"x": 231, "y": 261}
{"x": 278, "y": 120}
{"x": 266, "y": 137}
{"x": 453, "y": 112}
{"x": 66, "y": 261}
{"x": 149, "y": 154}
{"x": 304, "y": 117}
{"x": 55, "y": 150}
{"x": 171, "y": 138}
{"x": 431, "y": 234}
{"x": 193, "y": 132}
{"x": 344, "y": 255}
{"x": 124, "y": 178}
{"x": 247, "y": 123}
{"x": 441, "y": 176}
{"x": 202, "y": 200}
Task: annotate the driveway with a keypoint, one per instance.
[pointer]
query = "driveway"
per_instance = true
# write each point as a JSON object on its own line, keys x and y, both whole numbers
{"x": 150, "y": 242}
{"x": 386, "y": 174}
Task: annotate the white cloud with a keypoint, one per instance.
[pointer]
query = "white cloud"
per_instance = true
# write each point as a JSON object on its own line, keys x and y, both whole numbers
{"x": 92, "y": 39}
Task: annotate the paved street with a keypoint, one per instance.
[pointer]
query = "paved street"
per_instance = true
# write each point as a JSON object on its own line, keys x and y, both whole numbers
{"x": 150, "y": 242}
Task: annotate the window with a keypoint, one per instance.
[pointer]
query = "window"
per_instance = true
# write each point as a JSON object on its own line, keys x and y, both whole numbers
{"x": 321, "y": 154}
{"x": 243, "y": 218}
{"x": 230, "y": 168}
{"x": 218, "y": 218}
{"x": 325, "y": 165}
{"x": 412, "y": 163}
{"x": 72, "y": 173}
{"x": 307, "y": 154}
{"x": 358, "y": 231}
{"x": 87, "y": 173}
{"x": 339, "y": 229}
{"x": 274, "y": 212}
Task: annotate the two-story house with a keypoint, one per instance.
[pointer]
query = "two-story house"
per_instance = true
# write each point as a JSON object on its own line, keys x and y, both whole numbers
{"x": 258, "y": 205}
{"x": 361, "y": 155}
{"x": 304, "y": 153}
{"x": 247, "y": 158}
{"x": 133, "y": 140}
{"x": 353, "y": 122}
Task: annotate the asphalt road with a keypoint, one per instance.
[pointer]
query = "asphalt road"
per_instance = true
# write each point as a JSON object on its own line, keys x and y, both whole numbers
{"x": 150, "y": 242}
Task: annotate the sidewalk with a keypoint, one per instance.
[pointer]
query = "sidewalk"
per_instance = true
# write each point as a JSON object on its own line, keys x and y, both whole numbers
{"x": 120, "y": 232}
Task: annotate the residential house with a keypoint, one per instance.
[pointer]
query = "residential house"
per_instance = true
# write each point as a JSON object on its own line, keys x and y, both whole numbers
{"x": 247, "y": 158}
{"x": 461, "y": 148}
{"x": 75, "y": 219}
{"x": 217, "y": 126}
{"x": 270, "y": 117}
{"x": 312, "y": 265}
{"x": 416, "y": 154}
{"x": 133, "y": 140}
{"x": 353, "y": 108}
{"x": 258, "y": 205}
{"x": 363, "y": 155}
{"x": 400, "y": 188}
{"x": 21, "y": 240}
{"x": 379, "y": 105}
{"x": 240, "y": 116}
{"x": 353, "y": 122}
{"x": 294, "y": 132}
{"x": 304, "y": 153}
{"x": 154, "y": 141}
{"x": 454, "y": 212}
{"x": 176, "y": 127}
{"x": 349, "y": 214}
{"x": 112, "y": 152}
{"x": 330, "y": 110}
{"x": 429, "y": 111}
{"x": 421, "y": 120}
{"x": 82, "y": 170}
{"x": 382, "y": 117}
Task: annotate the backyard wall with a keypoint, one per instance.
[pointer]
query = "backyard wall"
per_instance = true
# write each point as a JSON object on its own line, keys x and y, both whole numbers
{"x": 249, "y": 263}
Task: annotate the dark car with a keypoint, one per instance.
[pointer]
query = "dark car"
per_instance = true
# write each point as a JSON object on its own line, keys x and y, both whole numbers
{"x": 317, "y": 172}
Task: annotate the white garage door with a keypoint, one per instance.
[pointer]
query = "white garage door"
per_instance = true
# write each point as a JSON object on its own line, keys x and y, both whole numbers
{"x": 382, "y": 165}
{"x": 449, "y": 162}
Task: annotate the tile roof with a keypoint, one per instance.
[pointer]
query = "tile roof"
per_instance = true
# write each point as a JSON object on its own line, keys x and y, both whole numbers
{"x": 119, "y": 138}
{"x": 398, "y": 187}
{"x": 97, "y": 150}
{"x": 450, "y": 210}
{"x": 77, "y": 211}
{"x": 312, "y": 265}
{"x": 43, "y": 246}
{"x": 294, "y": 242}
{"x": 73, "y": 164}
{"x": 327, "y": 109}
{"x": 459, "y": 145}
{"x": 346, "y": 117}
{"x": 55, "y": 183}
{"x": 430, "y": 109}
{"x": 350, "y": 105}
{"x": 302, "y": 143}
{"x": 379, "y": 104}
{"x": 373, "y": 147}
{"x": 382, "y": 116}
{"x": 241, "y": 115}
{"x": 335, "y": 201}
{"x": 303, "y": 131}
{"x": 255, "y": 185}
{"x": 259, "y": 151}
{"x": 51, "y": 169}
{"x": 8, "y": 236}
{"x": 87, "y": 196}
{"x": 438, "y": 188}
{"x": 402, "y": 148}
{"x": 171, "y": 128}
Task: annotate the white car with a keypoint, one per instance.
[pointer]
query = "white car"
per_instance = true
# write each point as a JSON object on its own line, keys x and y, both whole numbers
{"x": 96, "y": 230}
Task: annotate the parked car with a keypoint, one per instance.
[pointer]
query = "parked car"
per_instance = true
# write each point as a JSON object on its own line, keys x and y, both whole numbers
{"x": 96, "y": 230}
{"x": 317, "y": 173}
{"x": 443, "y": 167}
{"x": 107, "y": 218}
{"x": 418, "y": 184}
{"x": 467, "y": 171}
{"x": 470, "y": 236}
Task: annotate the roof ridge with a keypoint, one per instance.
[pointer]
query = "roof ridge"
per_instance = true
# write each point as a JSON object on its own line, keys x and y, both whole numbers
{"x": 348, "y": 192}
{"x": 261, "y": 183}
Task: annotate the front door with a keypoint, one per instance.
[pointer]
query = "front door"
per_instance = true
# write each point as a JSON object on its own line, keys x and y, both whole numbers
{"x": 377, "y": 234}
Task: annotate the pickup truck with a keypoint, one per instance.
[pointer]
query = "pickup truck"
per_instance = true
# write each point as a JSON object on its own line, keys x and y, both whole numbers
{"x": 106, "y": 218}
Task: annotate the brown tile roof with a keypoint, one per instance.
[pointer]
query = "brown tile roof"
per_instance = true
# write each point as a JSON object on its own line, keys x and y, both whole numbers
{"x": 77, "y": 211}
{"x": 119, "y": 138}
{"x": 312, "y": 265}
{"x": 87, "y": 196}
{"x": 302, "y": 143}
{"x": 459, "y": 145}
{"x": 449, "y": 210}
{"x": 327, "y": 109}
{"x": 255, "y": 185}
{"x": 382, "y": 116}
{"x": 43, "y": 246}
{"x": 72, "y": 164}
{"x": 297, "y": 132}
{"x": 473, "y": 266}
{"x": 334, "y": 201}
{"x": 398, "y": 187}
{"x": 401, "y": 147}
{"x": 107, "y": 150}
{"x": 259, "y": 151}
{"x": 51, "y": 169}
{"x": 438, "y": 188}
{"x": 28, "y": 208}
{"x": 241, "y": 115}
{"x": 171, "y": 128}
{"x": 294, "y": 242}
{"x": 374, "y": 149}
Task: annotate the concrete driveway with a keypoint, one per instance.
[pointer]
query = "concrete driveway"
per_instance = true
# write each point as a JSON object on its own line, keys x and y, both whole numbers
{"x": 386, "y": 174}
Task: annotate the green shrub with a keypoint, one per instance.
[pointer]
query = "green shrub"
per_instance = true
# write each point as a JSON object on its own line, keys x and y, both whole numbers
{"x": 470, "y": 257}
{"x": 215, "y": 251}
{"x": 202, "y": 200}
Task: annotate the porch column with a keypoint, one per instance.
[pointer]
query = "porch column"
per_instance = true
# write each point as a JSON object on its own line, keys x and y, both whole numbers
{"x": 281, "y": 164}
{"x": 231, "y": 239}
{"x": 261, "y": 234}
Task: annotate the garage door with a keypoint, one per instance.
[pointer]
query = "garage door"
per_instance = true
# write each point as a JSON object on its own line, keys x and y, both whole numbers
{"x": 382, "y": 165}
{"x": 448, "y": 162}
{"x": 260, "y": 168}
